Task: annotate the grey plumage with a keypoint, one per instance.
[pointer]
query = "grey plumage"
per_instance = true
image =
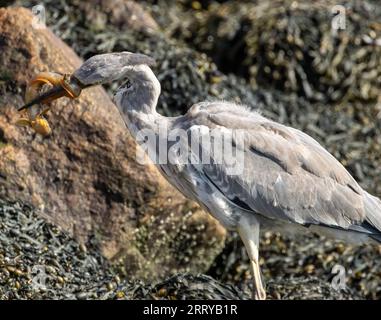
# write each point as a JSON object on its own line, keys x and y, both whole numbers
{"x": 287, "y": 175}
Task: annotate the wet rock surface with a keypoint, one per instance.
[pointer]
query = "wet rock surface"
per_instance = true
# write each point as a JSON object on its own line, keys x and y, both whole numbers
{"x": 344, "y": 116}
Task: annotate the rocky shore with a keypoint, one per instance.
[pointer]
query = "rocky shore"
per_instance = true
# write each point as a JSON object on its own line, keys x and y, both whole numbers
{"x": 110, "y": 229}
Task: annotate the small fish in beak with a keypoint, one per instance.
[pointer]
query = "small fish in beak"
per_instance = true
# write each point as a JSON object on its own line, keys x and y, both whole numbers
{"x": 37, "y": 97}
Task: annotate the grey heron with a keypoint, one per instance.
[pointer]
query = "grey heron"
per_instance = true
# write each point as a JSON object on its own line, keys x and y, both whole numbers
{"x": 288, "y": 180}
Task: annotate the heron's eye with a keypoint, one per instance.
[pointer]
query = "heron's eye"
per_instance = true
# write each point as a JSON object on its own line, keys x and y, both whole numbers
{"x": 126, "y": 85}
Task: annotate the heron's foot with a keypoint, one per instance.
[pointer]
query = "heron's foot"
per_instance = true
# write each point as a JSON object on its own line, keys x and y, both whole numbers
{"x": 41, "y": 90}
{"x": 259, "y": 292}
{"x": 258, "y": 296}
{"x": 248, "y": 229}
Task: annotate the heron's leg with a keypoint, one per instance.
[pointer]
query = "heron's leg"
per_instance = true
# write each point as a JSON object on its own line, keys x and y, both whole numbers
{"x": 248, "y": 229}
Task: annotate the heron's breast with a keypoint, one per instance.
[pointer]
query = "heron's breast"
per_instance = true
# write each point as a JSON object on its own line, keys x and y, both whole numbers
{"x": 191, "y": 184}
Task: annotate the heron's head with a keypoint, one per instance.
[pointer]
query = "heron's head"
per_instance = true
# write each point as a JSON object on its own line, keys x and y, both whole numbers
{"x": 99, "y": 69}
{"x": 140, "y": 88}
{"x": 108, "y": 67}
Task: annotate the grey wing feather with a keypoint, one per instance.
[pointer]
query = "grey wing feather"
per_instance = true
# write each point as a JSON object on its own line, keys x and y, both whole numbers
{"x": 286, "y": 173}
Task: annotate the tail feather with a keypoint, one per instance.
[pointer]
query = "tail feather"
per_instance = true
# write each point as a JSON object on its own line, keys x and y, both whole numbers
{"x": 373, "y": 215}
{"x": 376, "y": 237}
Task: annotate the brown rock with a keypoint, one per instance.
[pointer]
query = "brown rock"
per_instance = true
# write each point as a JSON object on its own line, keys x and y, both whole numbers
{"x": 84, "y": 177}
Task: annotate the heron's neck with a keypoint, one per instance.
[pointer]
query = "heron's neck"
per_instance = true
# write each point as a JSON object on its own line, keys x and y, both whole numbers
{"x": 138, "y": 107}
